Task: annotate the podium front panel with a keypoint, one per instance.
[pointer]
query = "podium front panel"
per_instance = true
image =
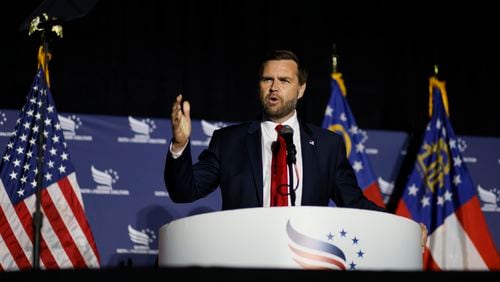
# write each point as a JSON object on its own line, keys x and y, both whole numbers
{"x": 294, "y": 238}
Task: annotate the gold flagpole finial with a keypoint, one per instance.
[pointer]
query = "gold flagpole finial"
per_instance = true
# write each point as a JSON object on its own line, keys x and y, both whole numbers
{"x": 45, "y": 25}
{"x": 40, "y": 23}
{"x": 335, "y": 58}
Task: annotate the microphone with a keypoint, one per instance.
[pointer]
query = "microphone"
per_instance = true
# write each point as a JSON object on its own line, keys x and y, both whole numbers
{"x": 287, "y": 133}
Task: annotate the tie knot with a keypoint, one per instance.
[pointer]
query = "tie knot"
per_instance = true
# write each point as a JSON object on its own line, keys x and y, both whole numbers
{"x": 279, "y": 127}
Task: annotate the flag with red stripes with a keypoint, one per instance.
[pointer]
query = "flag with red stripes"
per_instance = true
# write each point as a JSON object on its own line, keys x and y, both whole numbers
{"x": 37, "y": 152}
{"x": 440, "y": 194}
{"x": 339, "y": 118}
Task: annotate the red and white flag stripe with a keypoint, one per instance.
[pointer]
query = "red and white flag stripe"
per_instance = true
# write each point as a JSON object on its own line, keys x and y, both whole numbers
{"x": 66, "y": 240}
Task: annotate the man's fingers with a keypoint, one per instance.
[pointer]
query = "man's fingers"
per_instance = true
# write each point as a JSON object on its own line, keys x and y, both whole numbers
{"x": 186, "y": 107}
{"x": 423, "y": 229}
{"x": 177, "y": 110}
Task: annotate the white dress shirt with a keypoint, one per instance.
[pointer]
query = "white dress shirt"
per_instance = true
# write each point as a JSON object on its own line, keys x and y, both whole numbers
{"x": 269, "y": 135}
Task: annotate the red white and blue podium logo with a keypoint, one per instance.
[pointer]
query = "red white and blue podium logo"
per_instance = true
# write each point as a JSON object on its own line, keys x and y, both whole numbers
{"x": 339, "y": 250}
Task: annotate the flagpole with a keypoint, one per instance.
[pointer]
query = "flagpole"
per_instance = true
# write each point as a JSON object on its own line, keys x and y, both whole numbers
{"x": 45, "y": 24}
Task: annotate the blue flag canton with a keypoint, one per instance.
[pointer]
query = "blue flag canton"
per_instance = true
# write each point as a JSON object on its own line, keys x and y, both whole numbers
{"x": 339, "y": 119}
{"x": 440, "y": 181}
{"x": 18, "y": 167}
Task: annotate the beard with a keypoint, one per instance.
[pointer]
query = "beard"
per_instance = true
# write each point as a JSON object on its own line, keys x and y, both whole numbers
{"x": 278, "y": 112}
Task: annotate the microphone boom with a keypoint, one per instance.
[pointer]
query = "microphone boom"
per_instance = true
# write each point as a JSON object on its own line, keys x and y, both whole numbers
{"x": 287, "y": 133}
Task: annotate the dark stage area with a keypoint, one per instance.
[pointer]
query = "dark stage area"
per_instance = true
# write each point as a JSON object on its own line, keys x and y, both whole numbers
{"x": 134, "y": 57}
{"x": 236, "y": 274}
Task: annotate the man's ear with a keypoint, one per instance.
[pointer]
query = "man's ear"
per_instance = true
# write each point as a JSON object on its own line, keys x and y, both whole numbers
{"x": 302, "y": 89}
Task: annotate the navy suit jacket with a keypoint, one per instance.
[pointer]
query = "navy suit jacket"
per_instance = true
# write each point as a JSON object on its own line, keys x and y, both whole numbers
{"x": 233, "y": 162}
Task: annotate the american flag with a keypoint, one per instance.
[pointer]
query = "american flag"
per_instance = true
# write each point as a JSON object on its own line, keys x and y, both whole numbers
{"x": 440, "y": 194}
{"x": 339, "y": 118}
{"x": 66, "y": 238}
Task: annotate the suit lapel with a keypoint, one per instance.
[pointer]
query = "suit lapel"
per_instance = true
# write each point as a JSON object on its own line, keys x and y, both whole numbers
{"x": 254, "y": 147}
{"x": 309, "y": 162}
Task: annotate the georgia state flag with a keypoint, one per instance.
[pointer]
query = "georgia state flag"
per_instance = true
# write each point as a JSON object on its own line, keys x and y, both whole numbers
{"x": 338, "y": 118}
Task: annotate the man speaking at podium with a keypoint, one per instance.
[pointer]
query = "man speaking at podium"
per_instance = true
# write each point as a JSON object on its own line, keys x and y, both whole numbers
{"x": 278, "y": 160}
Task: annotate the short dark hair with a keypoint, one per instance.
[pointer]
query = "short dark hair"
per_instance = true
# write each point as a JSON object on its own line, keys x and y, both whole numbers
{"x": 285, "y": 55}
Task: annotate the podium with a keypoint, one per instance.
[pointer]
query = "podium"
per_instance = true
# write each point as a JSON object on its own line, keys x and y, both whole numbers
{"x": 293, "y": 238}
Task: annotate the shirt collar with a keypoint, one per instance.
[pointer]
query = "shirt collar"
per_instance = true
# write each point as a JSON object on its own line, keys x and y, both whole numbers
{"x": 293, "y": 122}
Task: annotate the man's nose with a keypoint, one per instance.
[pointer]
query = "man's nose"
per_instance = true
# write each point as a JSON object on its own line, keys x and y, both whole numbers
{"x": 274, "y": 85}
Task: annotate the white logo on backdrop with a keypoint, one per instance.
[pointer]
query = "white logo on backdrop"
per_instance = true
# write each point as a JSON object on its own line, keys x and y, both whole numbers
{"x": 142, "y": 240}
{"x": 462, "y": 147}
{"x": 161, "y": 193}
{"x": 70, "y": 125}
{"x": 490, "y": 199}
{"x": 3, "y": 118}
{"x": 105, "y": 180}
{"x": 3, "y": 121}
{"x": 208, "y": 129}
{"x": 142, "y": 130}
